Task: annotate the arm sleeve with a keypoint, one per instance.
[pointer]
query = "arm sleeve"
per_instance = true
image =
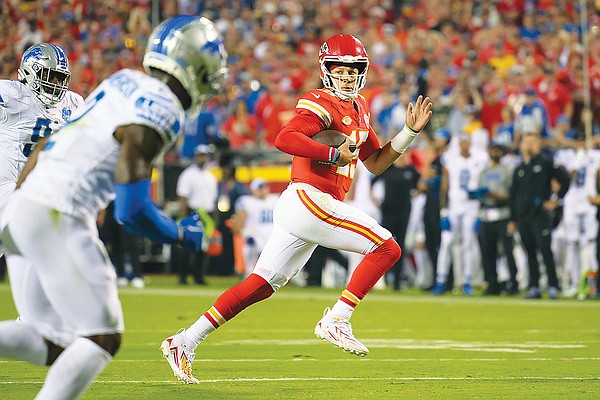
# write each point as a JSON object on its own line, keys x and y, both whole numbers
{"x": 138, "y": 214}
{"x": 295, "y": 139}
{"x": 370, "y": 146}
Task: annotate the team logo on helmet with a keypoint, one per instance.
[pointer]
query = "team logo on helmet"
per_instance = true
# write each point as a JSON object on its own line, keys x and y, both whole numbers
{"x": 190, "y": 49}
{"x": 343, "y": 50}
{"x": 45, "y": 70}
{"x": 324, "y": 49}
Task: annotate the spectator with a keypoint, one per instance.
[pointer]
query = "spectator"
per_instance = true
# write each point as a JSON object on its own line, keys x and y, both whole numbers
{"x": 533, "y": 118}
{"x": 240, "y": 127}
{"x": 200, "y": 131}
{"x": 555, "y": 95}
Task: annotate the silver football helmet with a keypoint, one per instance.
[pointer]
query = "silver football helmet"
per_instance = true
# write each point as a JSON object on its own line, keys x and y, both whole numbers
{"x": 45, "y": 70}
{"x": 190, "y": 49}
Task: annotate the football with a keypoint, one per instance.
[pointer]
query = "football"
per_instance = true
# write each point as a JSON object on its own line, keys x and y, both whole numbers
{"x": 333, "y": 138}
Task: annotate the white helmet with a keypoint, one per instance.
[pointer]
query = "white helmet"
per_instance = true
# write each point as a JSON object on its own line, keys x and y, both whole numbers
{"x": 191, "y": 50}
{"x": 45, "y": 70}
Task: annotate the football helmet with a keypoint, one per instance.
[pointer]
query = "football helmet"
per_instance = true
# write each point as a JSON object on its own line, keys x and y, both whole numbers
{"x": 191, "y": 50}
{"x": 45, "y": 70}
{"x": 343, "y": 50}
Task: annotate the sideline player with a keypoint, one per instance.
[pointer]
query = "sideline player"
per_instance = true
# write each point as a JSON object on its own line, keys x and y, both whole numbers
{"x": 105, "y": 151}
{"x": 579, "y": 215}
{"x": 311, "y": 210}
{"x": 253, "y": 219}
{"x": 460, "y": 174}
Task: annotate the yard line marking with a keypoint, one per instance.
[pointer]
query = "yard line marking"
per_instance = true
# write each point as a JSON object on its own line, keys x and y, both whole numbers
{"x": 371, "y": 360}
{"x": 414, "y": 344}
{"x": 363, "y": 360}
{"x": 337, "y": 379}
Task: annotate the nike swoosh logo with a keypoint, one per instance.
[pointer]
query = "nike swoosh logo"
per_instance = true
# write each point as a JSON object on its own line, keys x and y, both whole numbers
{"x": 316, "y": 95}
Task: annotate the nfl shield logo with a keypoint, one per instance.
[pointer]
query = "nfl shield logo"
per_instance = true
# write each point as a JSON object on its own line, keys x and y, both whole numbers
{"x": 66, "y": 114}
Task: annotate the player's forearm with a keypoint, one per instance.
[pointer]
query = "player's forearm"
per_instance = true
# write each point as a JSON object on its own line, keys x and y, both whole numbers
{"x": 295, "y": 143}
{"x": 294, "y": 139}
{"x": 138, "y": 213}
{"x": 32, "y": 161}
{"x": 381, "y": 159}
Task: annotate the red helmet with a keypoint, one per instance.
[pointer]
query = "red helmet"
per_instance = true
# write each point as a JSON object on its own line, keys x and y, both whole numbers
{"x": 345, "y": 50}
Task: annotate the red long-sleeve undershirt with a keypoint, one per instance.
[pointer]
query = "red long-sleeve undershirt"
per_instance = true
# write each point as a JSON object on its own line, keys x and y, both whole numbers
{"x": 295, "y": 139}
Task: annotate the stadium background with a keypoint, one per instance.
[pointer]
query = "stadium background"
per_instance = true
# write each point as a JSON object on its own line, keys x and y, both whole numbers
{"x": 460, "y": 53}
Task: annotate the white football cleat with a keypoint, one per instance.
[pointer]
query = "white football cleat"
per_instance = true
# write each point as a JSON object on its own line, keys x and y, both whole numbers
{"x": 179, "y": 356}
{"x": 338, "y": 332}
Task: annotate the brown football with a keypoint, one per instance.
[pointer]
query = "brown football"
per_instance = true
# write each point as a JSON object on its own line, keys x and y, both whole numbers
{"x": 332, "y": 138}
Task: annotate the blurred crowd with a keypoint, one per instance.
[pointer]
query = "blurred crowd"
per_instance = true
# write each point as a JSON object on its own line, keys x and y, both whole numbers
{"x": 460, "y": 53}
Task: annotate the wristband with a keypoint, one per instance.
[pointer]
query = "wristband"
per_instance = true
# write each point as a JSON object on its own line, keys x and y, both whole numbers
{"x": 443, "y": 212}
{"x": 403, "y": 139}
{"x": 334, "y": 157}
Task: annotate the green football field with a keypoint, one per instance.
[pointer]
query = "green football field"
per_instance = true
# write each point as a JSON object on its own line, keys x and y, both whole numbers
{"x": 421, "y": 347}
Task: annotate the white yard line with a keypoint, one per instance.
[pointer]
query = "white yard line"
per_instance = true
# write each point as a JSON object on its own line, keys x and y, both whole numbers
{"x": 336, "y": 379}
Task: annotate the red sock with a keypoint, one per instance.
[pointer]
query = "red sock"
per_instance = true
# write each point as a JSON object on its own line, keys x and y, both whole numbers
{"x": 373, "y": 267}
{"x": 252, "y": 290}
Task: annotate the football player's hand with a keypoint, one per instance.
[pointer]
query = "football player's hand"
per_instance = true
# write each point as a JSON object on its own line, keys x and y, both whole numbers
{"x": 444, "y": 220}
{"x": 445, "y": 224}
{"x": 417, "y": 115}
{"x": 191, "y": 232}
{"x": 479, "y": 193}
{"x": 345, "y": 154}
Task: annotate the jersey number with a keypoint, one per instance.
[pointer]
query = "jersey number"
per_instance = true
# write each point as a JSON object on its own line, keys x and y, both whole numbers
{"x": 358, "y": 136}
{"x": 580, "y": 177}
{"x": 41, "y": 129}
{"x": 463, "y": 179}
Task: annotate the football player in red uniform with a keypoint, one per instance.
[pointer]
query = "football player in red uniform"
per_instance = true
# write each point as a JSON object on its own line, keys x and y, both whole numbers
{"x": 311, "y": 210}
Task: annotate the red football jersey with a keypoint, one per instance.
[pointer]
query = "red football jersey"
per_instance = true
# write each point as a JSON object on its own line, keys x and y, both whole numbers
{"x": 351, "y": 118}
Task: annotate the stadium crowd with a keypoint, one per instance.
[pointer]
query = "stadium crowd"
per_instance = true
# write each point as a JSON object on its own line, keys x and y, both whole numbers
{"x": 488, "y": 66}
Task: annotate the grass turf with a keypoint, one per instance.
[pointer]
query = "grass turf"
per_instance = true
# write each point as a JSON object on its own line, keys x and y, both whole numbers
{"x": 421, "y": 347}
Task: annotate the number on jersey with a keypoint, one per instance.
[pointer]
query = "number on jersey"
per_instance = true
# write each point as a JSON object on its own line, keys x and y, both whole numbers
{"x": 41, "y": 129}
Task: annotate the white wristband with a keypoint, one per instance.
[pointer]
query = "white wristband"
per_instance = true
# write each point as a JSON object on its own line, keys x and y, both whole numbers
{"x": 443, "y": 212}
{"x": 403, "y": 139}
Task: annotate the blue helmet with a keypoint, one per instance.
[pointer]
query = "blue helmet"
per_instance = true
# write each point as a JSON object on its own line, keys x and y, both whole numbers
{"x": 190, "y": 49}
{"x": 45, "y": 70}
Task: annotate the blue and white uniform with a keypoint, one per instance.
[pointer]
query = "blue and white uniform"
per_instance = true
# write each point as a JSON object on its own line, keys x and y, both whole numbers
{"x": 463, "y": 176}
{"x": 72, "y": 181}
{"x": 579, "y": 215}
{"x": 258, "y": 225}
{"x": 24, "y": 119}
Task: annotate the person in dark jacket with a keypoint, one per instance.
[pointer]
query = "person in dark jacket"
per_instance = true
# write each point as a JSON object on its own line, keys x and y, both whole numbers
{"x": 532, "y": 203}
{"x": 393, "y": 190}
